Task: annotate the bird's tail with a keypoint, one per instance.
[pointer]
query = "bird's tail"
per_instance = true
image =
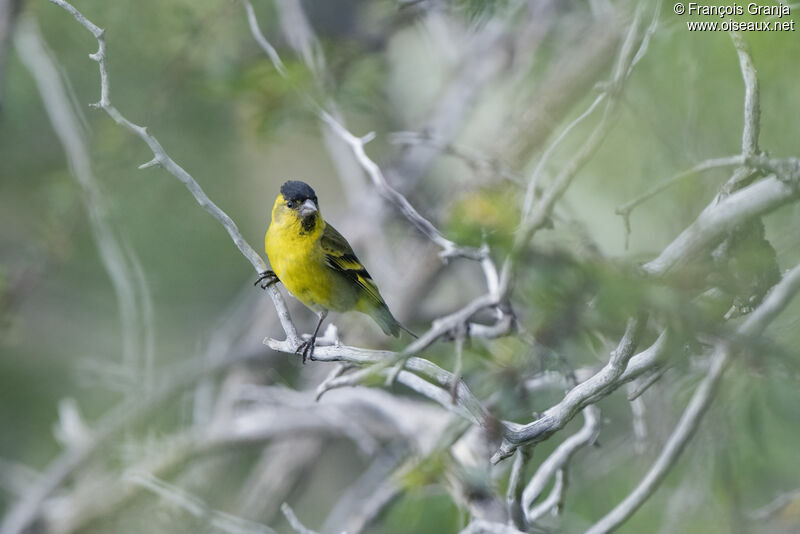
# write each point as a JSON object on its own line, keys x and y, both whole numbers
{"x": 387, "y": 322}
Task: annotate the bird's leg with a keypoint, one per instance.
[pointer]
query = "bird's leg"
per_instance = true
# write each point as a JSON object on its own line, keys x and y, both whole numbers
{"x": 266, "y": 279}
{"x": 306, "y": 348}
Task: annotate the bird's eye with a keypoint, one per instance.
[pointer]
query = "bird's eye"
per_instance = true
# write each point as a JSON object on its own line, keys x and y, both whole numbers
{"x": 290, "y": 204}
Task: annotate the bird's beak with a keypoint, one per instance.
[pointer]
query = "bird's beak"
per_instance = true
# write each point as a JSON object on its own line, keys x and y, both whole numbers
{"x": 307, "y": 208}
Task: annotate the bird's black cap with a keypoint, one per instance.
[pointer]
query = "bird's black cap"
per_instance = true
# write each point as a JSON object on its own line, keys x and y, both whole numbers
{"x": 297, "y": 190}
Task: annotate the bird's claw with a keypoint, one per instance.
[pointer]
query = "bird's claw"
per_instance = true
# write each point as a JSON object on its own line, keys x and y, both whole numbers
{"x": 306, "y": 349}
{"x": 266, "y": 279}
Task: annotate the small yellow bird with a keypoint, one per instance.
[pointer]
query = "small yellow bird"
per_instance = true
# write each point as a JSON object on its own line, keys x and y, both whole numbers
{"x": 317, "y": 265}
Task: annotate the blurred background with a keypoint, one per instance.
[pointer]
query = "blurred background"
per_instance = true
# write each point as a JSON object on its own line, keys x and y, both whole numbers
{"x": 114, "y": 281}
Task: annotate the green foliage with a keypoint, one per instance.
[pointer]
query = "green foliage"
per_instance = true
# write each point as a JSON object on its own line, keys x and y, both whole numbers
{"x": 420, "y": 511}
{"x": 271, "y": 103}
{"x": 489, "y": 213}
{"x": 429, "y": 471}
{"x": 479, "y": 10}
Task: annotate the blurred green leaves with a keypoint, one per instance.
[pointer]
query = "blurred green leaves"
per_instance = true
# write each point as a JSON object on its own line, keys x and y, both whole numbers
{"x": 271, "y": 104}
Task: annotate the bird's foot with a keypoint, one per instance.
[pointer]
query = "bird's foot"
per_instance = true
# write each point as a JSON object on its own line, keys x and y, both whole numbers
{"x": 306, "y": 348}
{"x": 266, "y": 279}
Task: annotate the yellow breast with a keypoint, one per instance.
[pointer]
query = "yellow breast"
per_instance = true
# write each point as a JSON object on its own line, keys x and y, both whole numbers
{"x": 299, "y": 261}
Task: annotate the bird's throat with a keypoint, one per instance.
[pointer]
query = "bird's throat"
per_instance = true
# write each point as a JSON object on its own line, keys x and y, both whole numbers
{"x": 308, "y": 224}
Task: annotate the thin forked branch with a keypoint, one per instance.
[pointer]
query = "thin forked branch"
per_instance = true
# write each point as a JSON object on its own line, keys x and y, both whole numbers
{"x": 161, "y": 158}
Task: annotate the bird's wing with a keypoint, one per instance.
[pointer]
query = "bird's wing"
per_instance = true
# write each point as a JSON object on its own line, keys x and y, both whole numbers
{"x": 341, "y": 258}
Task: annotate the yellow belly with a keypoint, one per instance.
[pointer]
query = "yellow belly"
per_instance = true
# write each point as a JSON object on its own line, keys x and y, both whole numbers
{"x": 300, "y": 265}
